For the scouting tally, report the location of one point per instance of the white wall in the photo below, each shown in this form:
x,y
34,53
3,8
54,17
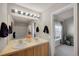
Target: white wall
x,y
3,13
20,29
69,26
3,18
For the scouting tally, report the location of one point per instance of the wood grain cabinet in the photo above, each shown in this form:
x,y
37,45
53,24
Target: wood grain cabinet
x,y
44,50
25,52
39,50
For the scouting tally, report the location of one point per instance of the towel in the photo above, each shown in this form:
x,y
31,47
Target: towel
x,y
46,30
37,29
3,30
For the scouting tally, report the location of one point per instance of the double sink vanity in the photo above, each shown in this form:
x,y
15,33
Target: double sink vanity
x,y
22,47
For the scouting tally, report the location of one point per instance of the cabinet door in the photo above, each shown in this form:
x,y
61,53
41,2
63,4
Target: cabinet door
x,y
29,52
44,49
37,51
41,50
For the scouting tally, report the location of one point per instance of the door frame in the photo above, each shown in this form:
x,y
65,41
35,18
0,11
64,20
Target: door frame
x,y
74,6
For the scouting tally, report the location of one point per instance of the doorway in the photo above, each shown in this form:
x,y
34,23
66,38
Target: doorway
x,y
63,31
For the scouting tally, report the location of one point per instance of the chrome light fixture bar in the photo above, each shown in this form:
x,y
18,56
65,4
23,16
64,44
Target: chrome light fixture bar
x,y
25,13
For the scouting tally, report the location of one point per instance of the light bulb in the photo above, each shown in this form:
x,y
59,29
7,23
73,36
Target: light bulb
x,y
35,15
31,15
16,10
24,13
27,13
21,12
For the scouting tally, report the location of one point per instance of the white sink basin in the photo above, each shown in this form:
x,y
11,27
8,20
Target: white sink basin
x,y
20,46
24,43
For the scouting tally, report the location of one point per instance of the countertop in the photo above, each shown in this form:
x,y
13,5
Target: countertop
x,y
19,44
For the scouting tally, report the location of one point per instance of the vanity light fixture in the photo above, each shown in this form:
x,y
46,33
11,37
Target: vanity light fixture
x,y
21,12
34,15
31,15
26,13
14,10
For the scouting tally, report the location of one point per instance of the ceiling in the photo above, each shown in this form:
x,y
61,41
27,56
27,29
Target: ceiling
x,y
36,6
40,7
65,15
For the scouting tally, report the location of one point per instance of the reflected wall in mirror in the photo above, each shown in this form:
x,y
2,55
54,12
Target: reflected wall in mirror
x,y
21,28
23,21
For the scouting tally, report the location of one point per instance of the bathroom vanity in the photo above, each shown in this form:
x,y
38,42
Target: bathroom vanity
x,y
18,25
21,47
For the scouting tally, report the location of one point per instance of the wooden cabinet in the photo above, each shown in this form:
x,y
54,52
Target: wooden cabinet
x,y
44,50
39,50
25,52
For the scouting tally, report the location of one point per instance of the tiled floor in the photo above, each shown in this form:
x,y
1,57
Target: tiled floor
x,y
64,50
